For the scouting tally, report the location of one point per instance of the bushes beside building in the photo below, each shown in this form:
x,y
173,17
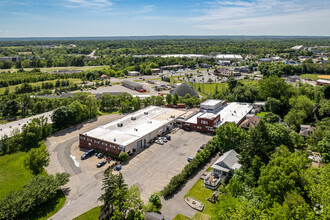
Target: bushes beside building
x,y
201,158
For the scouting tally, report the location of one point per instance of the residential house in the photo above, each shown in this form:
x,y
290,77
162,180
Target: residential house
x,y
227,163
250,122
306,130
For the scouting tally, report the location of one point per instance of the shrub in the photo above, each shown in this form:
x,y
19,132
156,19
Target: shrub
x,y
123,156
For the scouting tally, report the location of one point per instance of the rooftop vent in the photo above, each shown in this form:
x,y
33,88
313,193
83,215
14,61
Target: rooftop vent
x,y
114,139
145,113
133,118
120,124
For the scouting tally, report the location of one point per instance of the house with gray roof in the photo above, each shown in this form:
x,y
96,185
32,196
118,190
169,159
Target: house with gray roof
x,y
227,163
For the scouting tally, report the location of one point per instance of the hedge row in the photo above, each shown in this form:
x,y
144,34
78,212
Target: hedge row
x,y
201,158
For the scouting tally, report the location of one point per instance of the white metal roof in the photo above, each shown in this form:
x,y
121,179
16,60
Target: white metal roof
x,y
132,130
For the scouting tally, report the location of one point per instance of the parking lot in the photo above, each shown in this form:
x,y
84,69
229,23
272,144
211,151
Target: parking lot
x,y
153,168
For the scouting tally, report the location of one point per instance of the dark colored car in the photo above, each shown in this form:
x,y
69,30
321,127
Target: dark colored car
x,y
168,137
202,147
100,156
199,150
87,154
102,163
190,159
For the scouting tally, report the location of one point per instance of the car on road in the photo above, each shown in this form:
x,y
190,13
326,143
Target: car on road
x,y
100,156
102,163
190,159
87,154
159,142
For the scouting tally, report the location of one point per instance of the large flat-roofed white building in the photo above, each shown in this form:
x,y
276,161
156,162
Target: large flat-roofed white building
x,y
229,57
131,132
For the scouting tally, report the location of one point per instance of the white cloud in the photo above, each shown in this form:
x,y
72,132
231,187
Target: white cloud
x,y
265,17
89,3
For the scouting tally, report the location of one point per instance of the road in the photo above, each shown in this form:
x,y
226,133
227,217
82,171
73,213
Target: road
x,y
6,129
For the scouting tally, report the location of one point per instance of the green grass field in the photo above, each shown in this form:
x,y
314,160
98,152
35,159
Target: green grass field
x,y
13,174
200,192
310,76
92,214
208,88
12,88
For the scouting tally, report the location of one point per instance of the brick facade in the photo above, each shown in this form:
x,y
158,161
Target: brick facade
x,y
86,143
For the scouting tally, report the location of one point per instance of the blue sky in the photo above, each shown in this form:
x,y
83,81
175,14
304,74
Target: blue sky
x,y
75,18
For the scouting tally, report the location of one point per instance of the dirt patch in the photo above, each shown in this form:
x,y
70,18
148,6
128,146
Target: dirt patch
x,y
324,76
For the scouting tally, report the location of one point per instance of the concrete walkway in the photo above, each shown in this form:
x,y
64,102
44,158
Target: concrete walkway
x,y
176,204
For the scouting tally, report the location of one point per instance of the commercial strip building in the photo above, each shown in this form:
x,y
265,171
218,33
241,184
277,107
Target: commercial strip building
x,y
214,113
132,132
132,85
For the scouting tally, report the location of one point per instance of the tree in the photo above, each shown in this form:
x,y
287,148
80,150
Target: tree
x,y
169,98
230,137
62,117
324,146
119,202
155,200
36,160
232,83
270,117
11,108
123,156
282,174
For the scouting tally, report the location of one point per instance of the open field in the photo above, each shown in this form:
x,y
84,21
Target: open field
x,y
13,174
50,69
12,88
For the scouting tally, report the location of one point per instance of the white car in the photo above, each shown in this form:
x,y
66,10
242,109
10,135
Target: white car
x,y
159,142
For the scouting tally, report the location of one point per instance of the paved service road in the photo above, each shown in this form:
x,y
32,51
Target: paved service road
x,y
151,169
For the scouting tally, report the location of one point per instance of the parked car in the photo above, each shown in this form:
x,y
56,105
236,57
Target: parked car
x,y
118,167
168,137
100,156
164,139
202,147
159,142
199,150
102,163
109,159
190,159
87,154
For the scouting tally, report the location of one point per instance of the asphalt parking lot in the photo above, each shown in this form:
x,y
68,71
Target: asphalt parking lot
x,y
153,168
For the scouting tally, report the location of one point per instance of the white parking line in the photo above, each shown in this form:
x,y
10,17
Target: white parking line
x,y
74,160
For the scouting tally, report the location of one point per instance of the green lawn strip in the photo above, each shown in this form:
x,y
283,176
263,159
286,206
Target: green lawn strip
x,y
200,216
49,208
181,217
201,193
310,76
92,214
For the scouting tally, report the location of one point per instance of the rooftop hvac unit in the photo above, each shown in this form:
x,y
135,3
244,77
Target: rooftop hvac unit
x,y
145,113
120,124
133,118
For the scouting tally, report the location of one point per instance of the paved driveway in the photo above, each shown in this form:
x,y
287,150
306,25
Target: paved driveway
x,y
151,169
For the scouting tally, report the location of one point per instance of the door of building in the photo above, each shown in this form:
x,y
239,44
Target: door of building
x,y
139,144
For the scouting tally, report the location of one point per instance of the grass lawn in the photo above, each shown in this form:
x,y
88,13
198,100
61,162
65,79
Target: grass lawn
x,y
208,88
12,88
13,174
92,214
181,217
311,76
200,192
